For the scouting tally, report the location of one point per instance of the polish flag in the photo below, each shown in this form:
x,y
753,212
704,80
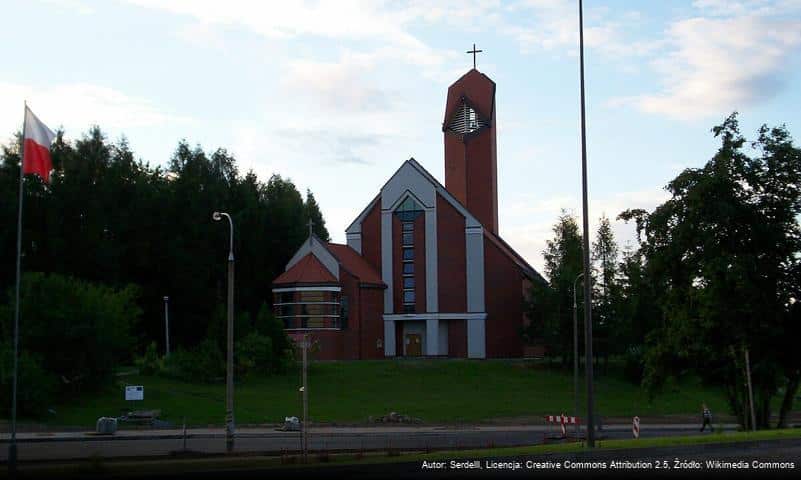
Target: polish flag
x,y
37,140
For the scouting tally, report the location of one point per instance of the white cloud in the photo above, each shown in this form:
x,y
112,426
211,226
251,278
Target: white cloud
x,y
552,25
732,57
347,19
77,106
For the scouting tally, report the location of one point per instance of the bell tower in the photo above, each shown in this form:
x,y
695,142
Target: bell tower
x,y
470,146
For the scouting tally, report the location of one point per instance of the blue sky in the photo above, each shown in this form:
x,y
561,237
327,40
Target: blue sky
x,y
335,95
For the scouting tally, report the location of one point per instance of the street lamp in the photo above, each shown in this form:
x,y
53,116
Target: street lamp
x,y
575,353
167,325
229,376
586,221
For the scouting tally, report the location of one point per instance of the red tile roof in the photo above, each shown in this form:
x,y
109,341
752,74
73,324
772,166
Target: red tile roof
x,y
355,263
307,270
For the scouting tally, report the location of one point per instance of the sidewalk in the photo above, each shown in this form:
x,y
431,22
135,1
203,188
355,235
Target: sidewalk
x,y
266,431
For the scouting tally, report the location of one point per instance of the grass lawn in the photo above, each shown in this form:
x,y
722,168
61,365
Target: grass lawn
x,y
437,391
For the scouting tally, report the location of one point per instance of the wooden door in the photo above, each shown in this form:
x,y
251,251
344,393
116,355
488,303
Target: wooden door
x,y
414,345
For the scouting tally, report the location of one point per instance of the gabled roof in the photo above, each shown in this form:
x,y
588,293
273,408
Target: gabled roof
x,y
308,270
525,268
354,263
507,249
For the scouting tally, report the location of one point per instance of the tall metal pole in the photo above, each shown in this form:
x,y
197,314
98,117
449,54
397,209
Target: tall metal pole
x,y
750,391
12,447
305,399
229,376
585,214
575,354
167,325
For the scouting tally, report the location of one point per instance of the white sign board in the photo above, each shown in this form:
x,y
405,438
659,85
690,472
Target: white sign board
x,y
134,392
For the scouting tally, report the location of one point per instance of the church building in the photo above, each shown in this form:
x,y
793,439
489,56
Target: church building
x,y
424,271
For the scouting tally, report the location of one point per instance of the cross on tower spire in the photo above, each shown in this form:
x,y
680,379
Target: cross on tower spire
x,y
310,225
474,52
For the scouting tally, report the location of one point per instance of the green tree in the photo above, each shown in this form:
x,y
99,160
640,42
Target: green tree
x,y
314,214
79,330
563,263
723,256
606,296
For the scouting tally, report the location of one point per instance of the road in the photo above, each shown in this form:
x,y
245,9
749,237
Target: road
x,y
33,447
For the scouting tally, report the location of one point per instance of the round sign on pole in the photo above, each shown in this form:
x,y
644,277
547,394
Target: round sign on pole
x,y
635,427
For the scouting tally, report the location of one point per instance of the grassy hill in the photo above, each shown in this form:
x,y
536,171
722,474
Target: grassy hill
x,y
437,391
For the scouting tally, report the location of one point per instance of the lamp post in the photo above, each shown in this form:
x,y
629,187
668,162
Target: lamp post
x,y
167,325
229,375
586,219
575,353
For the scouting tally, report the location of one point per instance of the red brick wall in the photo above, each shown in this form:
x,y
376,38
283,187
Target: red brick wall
x,y
482,197
455,168
504,303
372,307
329,344
451,258
457,338
350,335
371,237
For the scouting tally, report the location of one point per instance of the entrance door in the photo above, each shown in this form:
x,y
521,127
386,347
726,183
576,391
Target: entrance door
x,y
414,345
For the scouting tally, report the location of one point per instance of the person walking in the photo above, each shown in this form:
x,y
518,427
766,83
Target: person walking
x,y
707,417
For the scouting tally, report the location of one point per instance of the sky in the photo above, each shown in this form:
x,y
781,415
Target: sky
x,y
335,95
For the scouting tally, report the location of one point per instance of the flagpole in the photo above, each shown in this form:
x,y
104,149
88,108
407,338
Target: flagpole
x,y
12,447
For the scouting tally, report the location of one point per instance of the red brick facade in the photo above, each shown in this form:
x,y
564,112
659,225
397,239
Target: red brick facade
x,y
469,285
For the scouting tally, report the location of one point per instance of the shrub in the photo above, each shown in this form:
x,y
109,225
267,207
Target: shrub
x,y
254,354
204,363
634,364
80,331
150,363
35,386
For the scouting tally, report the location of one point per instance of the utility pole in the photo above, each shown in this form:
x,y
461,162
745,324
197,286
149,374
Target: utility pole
x,y
229,376
167,325
750,391
305,390
575,354
586,239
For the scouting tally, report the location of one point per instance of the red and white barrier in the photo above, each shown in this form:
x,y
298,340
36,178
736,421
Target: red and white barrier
x,y
562,420
635,427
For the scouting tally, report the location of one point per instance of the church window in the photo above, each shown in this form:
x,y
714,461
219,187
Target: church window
x,y
408,268
408,296
408,282
408,227
408,238
311,309
408,253
408,211
465,120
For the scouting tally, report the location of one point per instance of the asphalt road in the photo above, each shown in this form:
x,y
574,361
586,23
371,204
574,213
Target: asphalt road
x,y
34,449
760,459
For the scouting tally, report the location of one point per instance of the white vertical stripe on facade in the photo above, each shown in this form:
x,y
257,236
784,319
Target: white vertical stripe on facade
x,y
386,259
432,337
432,288
474,247
389,338
476,339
